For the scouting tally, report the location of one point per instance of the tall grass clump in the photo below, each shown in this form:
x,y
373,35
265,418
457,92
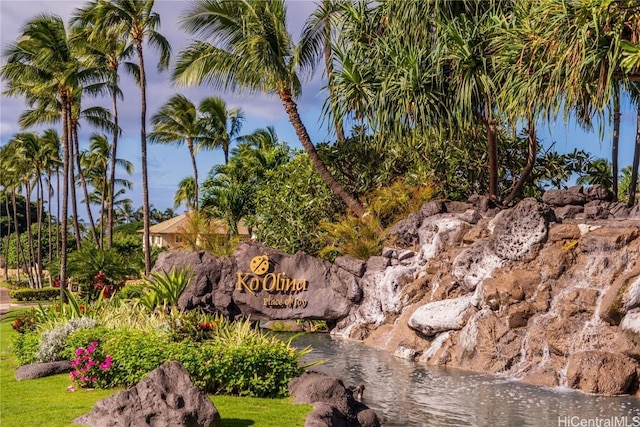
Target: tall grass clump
x,y
363,237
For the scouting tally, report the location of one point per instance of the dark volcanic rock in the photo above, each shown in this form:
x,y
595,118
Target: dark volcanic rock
x,y
39,370
333,403
165,397
268,284
204,290
571,196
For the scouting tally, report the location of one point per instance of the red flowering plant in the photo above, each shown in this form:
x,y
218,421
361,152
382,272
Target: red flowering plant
x,y
25,323
91,369
99,272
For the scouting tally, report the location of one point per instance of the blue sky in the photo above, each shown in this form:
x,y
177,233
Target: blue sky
x,y
169,165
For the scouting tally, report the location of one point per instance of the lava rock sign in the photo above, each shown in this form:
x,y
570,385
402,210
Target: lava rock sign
x,y
272,285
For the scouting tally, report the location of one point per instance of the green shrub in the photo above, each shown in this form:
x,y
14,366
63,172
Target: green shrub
x,y
28,294
133,353
239,360
259,370
130,292
25,346
100,271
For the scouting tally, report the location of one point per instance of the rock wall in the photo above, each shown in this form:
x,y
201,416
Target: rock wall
x,y
550,301
548,293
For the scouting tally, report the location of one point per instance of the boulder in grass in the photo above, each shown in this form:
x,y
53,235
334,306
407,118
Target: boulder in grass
x,y
164,398
39,370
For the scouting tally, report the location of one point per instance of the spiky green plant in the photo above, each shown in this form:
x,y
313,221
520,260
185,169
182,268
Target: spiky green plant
x,y
165,287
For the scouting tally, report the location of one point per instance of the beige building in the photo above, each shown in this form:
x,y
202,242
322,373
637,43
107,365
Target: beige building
x,y
172,233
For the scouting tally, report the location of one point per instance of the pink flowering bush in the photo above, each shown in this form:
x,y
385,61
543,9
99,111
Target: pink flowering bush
x,y
91,370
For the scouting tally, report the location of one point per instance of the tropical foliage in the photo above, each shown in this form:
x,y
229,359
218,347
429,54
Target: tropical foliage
x,y
443,93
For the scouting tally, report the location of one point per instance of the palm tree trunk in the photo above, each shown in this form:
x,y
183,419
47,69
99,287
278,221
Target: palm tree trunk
x,y
58,236
103,202
195,174
83,183
6,246
292,111
72,179
30,249
616,139
636,161
143,151
17,230
492,149
49,188
65,198
112,174
532,145
40,197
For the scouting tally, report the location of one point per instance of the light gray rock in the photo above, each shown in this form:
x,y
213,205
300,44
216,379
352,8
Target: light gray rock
x,y
442,316
475,264
519,232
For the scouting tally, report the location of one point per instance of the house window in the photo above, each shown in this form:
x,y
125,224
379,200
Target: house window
x,y
178,239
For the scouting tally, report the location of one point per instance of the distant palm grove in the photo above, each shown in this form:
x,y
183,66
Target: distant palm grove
x,y
422,99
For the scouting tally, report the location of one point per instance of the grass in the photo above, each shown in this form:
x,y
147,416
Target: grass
x,y
46,401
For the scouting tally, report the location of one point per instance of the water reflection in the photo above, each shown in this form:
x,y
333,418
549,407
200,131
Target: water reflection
x,y
406,394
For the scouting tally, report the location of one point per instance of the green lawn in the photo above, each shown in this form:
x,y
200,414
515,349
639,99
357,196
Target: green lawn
x,y
46,401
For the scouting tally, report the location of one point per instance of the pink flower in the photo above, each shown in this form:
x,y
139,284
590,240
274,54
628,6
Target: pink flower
x,y
79,351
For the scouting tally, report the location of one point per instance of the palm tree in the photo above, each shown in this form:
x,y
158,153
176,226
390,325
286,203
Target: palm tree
x,y
177,122
110,50
43,61
186,193
254,51
318,32
137,20
222,124
96,163
50,146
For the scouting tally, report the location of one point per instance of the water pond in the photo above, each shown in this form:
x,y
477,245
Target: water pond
x,y
407,394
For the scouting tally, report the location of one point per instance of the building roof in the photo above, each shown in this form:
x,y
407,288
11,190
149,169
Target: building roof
x,y
171,226
178,224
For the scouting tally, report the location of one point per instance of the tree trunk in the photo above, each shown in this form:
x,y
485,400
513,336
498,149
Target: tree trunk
x,y
65,199
143,151
636,161
30,249
492,149
83,183
292,111
39,197
17,229
112,175
49,188
616,139
72,178
532,145
195,173
6,246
